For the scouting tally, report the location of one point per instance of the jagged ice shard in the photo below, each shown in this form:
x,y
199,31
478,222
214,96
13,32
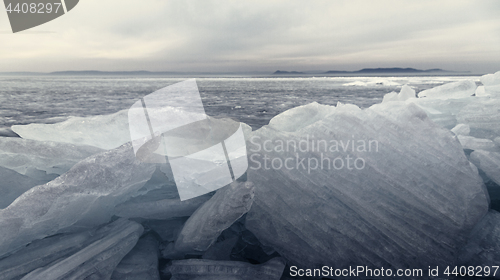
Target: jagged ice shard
x,y
105,131
97,260
23,155
83,197
45,252
388,188
219,213
451,90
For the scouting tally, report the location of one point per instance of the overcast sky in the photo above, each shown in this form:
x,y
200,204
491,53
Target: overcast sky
x,y
216,36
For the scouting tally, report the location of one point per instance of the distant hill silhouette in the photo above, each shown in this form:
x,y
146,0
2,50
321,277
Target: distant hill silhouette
x,y
364,71
279,72
388,70
98,73
371,71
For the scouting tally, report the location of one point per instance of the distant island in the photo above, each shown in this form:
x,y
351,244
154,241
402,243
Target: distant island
x,y
91,73
363,72
279,72
394,70
114,73
389,70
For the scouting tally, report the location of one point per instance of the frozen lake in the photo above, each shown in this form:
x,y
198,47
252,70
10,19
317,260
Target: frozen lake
x,y
50,99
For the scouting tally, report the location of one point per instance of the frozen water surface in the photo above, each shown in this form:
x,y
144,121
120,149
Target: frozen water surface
x,y
254,101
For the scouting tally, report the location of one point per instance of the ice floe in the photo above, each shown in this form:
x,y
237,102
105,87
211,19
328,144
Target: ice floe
x,y
105,132
451,90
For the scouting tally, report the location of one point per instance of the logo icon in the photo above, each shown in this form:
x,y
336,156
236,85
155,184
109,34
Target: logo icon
x,y
170,125
26,14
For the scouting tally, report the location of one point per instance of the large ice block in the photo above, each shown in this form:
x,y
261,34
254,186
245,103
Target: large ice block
x,y
105,131
406,93
453,104
391,96
461,129
473,143
83,197
382,187
488,162
52,157
196,269
41,253
162,209
95,261
482,114
451,90
141,263
491,79
219,213
298,117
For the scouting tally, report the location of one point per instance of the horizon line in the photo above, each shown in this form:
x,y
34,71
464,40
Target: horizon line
x,y
364,71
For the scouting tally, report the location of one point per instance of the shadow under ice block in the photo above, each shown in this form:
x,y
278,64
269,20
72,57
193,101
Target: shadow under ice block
x,y
204,153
